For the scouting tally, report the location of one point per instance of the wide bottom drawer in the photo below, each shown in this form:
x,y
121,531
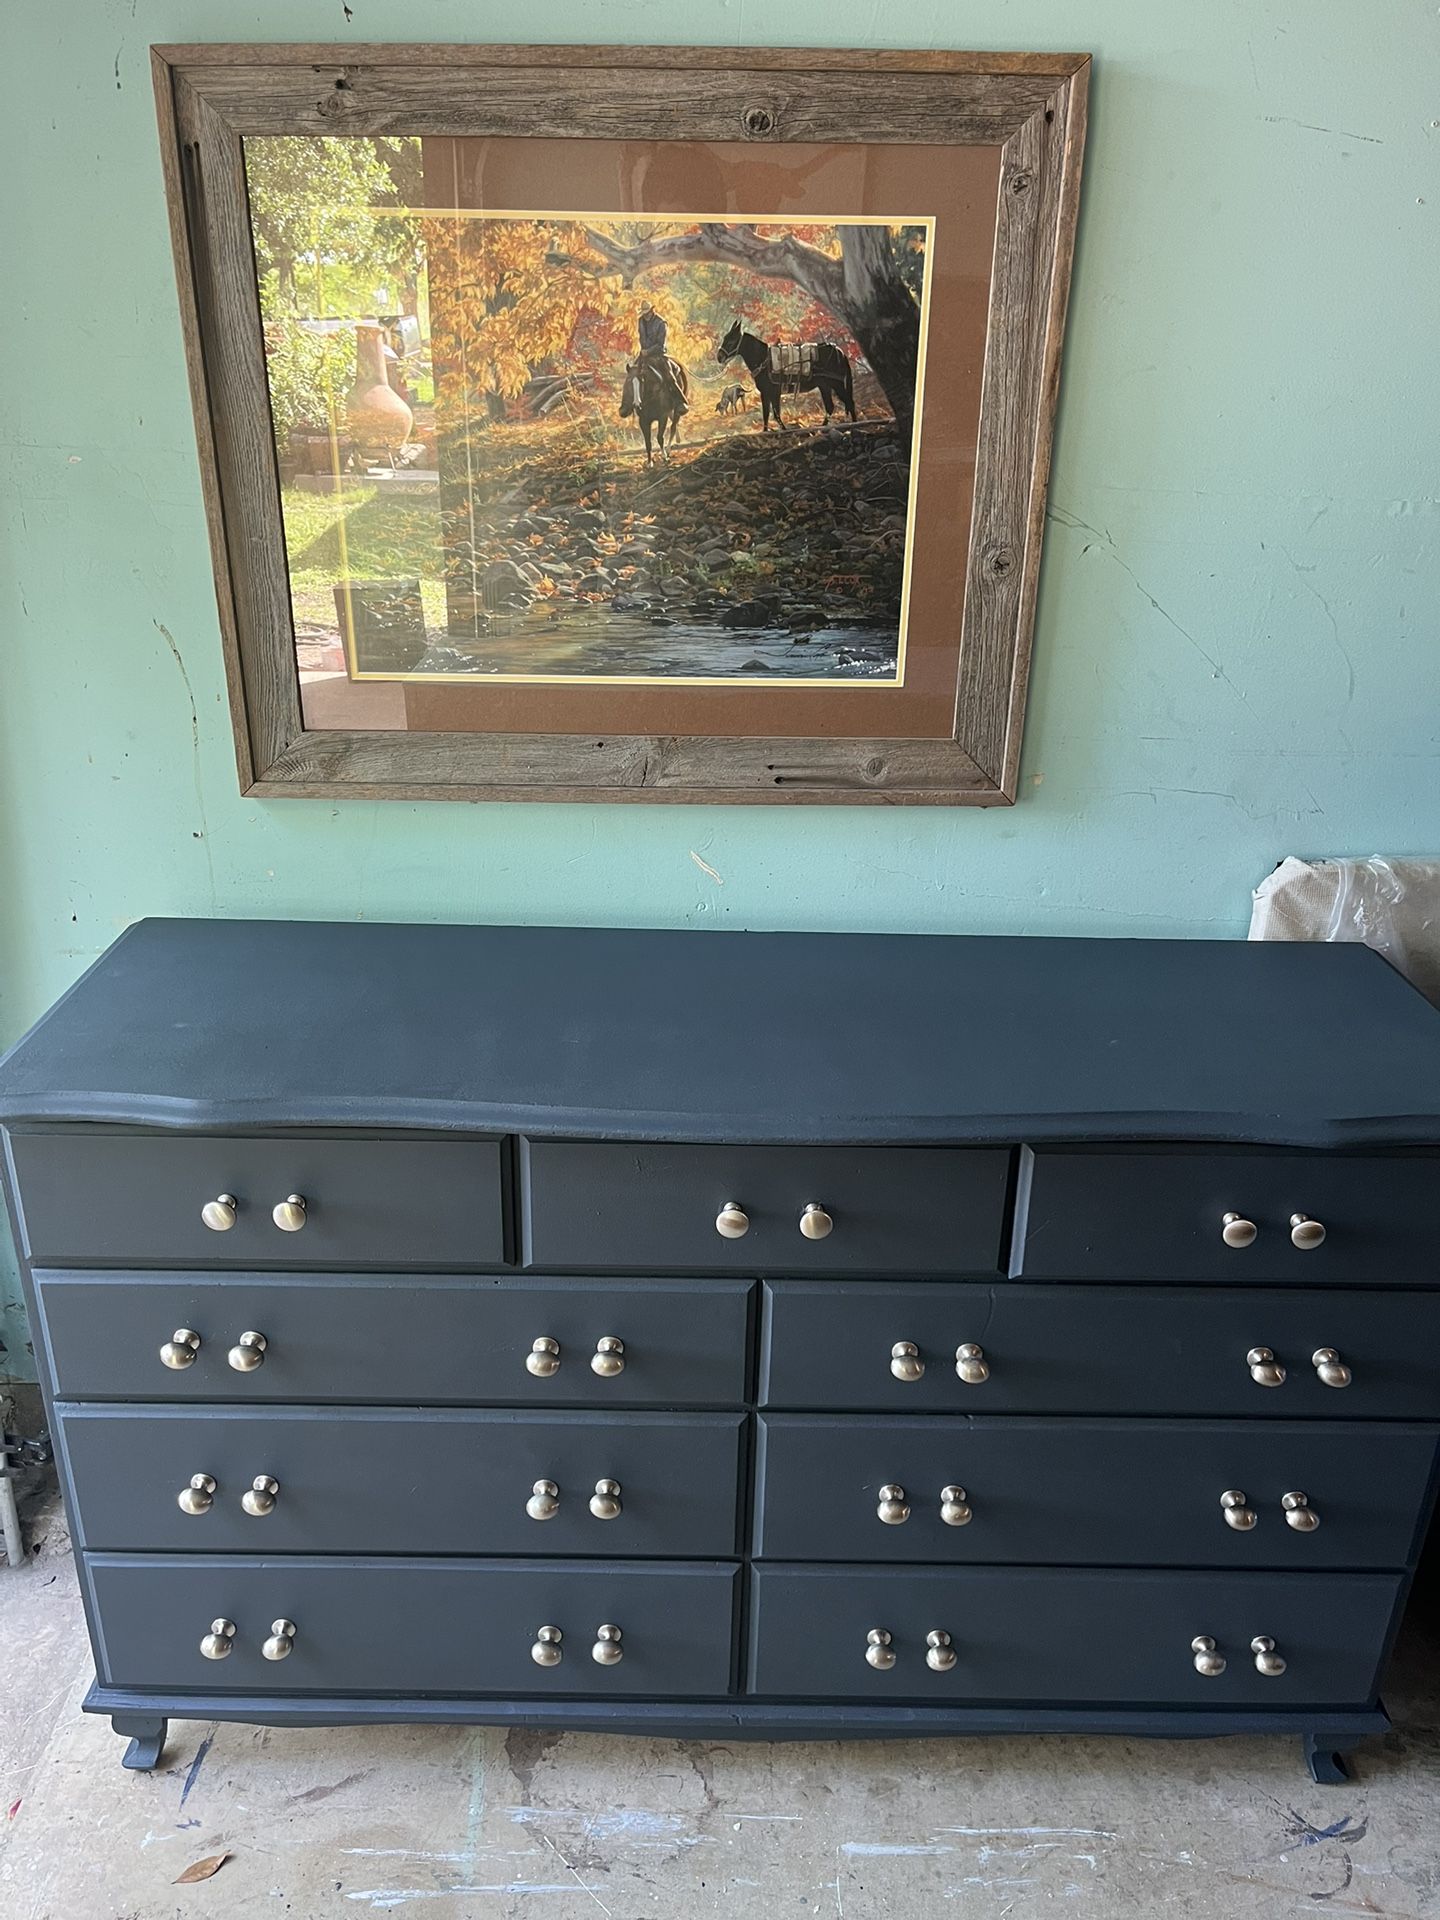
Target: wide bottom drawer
x,y
1060,1636
412,1626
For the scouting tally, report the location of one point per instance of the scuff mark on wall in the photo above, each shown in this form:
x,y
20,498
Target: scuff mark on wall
x,y
204,833
1339,133
1074,522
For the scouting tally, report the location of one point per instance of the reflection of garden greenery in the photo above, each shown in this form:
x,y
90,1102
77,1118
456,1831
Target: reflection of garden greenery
x,y
313,200
326,245
308,374
388,536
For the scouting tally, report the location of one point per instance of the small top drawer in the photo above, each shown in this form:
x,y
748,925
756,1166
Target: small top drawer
x,y
98,1199
1238,1216
764,1209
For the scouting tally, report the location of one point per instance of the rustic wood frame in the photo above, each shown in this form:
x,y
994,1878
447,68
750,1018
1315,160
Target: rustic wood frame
x,y
1031,105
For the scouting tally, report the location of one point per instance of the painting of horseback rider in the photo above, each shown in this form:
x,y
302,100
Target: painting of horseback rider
x,y
653,330
657,388
594,492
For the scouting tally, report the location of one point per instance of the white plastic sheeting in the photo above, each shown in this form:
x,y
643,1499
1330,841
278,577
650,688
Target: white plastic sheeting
x,y
1391,905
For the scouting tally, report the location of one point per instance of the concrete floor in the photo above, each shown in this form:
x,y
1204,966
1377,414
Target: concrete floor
x,y
439,1824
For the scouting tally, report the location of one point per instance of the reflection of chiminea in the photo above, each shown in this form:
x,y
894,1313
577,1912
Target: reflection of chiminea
x,y
379,421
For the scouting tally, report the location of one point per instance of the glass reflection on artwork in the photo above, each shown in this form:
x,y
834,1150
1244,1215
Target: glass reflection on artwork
x,y
550,447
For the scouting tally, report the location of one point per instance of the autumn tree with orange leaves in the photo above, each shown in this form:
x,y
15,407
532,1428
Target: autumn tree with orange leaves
x,y
513,298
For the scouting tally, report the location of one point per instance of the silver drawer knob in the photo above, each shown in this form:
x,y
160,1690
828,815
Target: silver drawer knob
x,y
905,1361
1331,1368
939,1654
1267,1660
544,1501
546,1650
180,1349
1208,1658
608,1358
1299,1513
248,1353
1265,1369
1237,1231
1237,1514
955,1509
281,1643
605,1501
815,1222
1305,1233
732,1222
260,1496
971,1364
289,1216
893,1509
199,1496
543,1359
878,1651
219,1213
219,1642
607,1651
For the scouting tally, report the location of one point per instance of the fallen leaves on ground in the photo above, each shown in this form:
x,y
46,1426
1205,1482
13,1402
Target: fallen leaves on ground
x,y
205,1869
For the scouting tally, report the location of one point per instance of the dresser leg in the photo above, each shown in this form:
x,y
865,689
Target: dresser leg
x,y
147,1739
1327,1767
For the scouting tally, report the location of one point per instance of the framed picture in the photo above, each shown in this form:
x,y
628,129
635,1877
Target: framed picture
x,y
624,424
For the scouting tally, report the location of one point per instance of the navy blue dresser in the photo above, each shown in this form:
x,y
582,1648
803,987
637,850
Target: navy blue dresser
x,y
721,1334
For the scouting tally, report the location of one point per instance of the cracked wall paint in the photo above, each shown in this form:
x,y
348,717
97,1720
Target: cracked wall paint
x,y
1235,655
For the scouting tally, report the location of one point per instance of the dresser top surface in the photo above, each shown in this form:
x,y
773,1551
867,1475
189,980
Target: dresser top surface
x,y
765,1037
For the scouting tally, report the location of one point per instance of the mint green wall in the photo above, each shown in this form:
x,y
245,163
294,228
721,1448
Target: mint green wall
x,y
1236,653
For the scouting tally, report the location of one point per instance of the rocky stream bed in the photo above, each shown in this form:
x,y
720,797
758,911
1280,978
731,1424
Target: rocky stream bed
x,y
754,553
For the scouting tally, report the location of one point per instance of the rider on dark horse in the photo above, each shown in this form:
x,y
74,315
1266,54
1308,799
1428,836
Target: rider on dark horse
x,y
653,354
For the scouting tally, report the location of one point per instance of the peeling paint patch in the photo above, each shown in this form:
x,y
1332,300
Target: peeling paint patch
x,y
882,1849
386,1899
626,1823
403,1853
1034,1833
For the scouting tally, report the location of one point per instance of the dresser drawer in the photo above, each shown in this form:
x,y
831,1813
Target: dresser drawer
x,y
1122,1493
1090,1349
1051,1636
404,1481
640,1208
136,1199
413,1626
1149,1214
367,1337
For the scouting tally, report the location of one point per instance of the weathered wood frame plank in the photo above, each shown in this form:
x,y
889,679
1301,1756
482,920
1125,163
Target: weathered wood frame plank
x,y
1030,105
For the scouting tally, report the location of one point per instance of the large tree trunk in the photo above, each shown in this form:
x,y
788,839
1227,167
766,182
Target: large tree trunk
x,y
880,311
863,288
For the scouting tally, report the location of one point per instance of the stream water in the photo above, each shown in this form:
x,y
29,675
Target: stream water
x,y
603,642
